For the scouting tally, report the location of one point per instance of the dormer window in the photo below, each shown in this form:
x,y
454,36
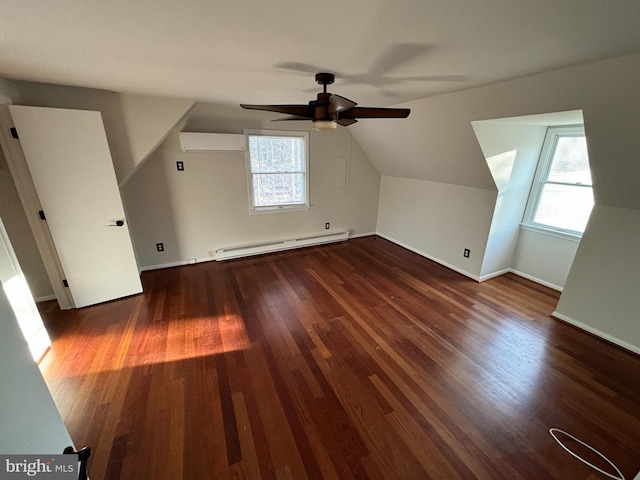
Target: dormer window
x,y
561,195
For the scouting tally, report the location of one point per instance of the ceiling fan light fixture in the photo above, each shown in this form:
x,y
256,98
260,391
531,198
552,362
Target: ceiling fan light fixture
x,y
324,125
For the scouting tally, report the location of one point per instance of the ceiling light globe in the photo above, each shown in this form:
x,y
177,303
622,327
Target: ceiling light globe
x,y
324,125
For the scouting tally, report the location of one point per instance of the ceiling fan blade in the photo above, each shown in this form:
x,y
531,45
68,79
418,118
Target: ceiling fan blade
x,y
396,55
301,110
286,119
298,67
436,78
374,112
339,104
345,122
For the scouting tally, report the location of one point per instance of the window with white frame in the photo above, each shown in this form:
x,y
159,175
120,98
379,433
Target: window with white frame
x,y
561,195
277,169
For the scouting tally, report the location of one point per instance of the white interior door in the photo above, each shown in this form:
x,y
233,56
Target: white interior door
x,y
70,163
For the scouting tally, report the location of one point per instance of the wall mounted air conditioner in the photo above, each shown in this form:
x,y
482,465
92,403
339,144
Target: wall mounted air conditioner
x,y
211,142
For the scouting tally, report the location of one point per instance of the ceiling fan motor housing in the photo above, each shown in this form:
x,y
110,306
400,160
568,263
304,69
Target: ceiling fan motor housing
x,y
321,107
325,79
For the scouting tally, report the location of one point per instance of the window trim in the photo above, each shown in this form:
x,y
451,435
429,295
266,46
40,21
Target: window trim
x,y
540,179
259,210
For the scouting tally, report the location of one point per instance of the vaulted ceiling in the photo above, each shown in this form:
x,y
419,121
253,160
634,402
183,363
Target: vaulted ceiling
x,y
383,52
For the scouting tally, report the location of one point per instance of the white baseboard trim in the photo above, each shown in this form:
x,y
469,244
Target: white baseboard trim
x,y
45,298
172,264
360,235
537,280
437,260
467,274
598,333
489,276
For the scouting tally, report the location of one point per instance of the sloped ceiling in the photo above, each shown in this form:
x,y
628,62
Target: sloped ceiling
x,y
235,51
254,51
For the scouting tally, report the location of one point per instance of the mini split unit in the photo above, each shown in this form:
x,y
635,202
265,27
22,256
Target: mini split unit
x,y
212,142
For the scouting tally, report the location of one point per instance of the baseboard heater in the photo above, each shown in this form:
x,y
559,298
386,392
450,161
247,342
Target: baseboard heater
x,y
227,253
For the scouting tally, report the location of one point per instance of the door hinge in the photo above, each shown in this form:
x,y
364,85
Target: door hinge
x,y
14,132
41,215
65,283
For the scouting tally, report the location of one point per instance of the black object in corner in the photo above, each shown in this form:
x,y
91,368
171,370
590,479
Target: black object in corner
x,y
83,456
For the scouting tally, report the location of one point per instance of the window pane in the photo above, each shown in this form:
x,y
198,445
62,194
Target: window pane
x,y
564,206
278,189
570,162
276,154
277,164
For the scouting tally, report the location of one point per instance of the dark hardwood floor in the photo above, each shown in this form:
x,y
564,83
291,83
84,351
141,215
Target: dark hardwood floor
x,y
348,361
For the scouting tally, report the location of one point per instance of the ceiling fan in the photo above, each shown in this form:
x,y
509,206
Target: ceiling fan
x,y
330,110
381,74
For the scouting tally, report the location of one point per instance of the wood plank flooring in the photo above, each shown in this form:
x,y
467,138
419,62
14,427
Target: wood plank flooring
x,y
357,360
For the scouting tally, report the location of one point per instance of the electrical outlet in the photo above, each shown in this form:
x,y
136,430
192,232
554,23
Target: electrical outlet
x,y
180,166
160,247
327,225
467,253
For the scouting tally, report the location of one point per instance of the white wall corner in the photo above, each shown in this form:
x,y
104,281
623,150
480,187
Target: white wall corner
x,y
489,276
430,257
601,291
553,286
148,121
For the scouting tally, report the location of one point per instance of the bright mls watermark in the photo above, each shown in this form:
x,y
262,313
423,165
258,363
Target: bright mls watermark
x,y
50,467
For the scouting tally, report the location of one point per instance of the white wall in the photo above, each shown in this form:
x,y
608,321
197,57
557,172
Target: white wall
x,y
544,258
512,148
9,92
135,124
511,152
437,220
148,121
205,207
29,418
602,293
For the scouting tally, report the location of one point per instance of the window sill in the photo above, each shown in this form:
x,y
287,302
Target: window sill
x,y
280,209
572,237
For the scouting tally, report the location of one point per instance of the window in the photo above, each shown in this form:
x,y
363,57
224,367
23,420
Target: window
x,y
561,196
277,169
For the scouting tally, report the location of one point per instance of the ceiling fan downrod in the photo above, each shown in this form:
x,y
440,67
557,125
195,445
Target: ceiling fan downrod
x,y
325,79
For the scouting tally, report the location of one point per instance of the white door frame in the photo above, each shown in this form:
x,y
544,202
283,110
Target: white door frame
x,y
19,295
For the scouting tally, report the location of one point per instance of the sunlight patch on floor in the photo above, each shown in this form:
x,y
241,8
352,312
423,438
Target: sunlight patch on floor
x,y
159,342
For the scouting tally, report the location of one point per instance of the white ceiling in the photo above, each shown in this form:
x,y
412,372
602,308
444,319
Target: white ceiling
x,y
232,51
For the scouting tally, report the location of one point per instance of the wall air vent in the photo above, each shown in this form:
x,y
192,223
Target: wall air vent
x,y
192,142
